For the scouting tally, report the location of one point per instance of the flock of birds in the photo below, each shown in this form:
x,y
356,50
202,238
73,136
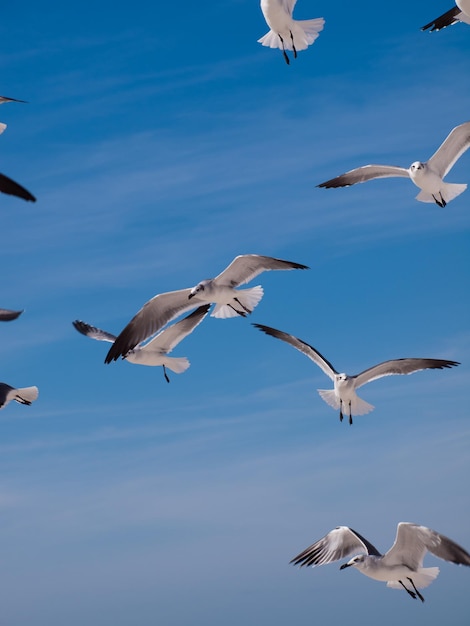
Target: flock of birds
x,y
148,338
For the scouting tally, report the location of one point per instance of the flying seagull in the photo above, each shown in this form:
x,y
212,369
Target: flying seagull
x,y
287,33
400,567
4,99
8,186
156,351
6,315
24,395
343,396
220,290
459,13
428,176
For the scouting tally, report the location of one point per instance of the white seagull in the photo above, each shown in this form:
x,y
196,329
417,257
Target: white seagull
x,y
459,13
24,395
400,567
343,396
220,290
287,33
428,176
4,99
6,315
156,351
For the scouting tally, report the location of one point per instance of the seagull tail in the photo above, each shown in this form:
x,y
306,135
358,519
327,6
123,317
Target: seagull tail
x,y
448,191
358,405
26,395
330,397
2,127
422,578
247,300
177,364
304,33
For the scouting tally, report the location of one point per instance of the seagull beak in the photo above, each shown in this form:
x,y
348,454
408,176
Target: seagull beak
x,y
345,565
191,295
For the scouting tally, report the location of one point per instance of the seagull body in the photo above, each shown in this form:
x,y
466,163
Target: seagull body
x,y
24,395
459,13
428,176
343,396
287,33
156,351
400,567
221,290
6,315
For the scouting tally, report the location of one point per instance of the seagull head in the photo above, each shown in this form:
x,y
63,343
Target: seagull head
x,y
356,561
197,289
416,166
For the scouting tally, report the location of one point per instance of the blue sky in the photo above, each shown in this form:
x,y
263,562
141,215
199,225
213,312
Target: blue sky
x,y
162,141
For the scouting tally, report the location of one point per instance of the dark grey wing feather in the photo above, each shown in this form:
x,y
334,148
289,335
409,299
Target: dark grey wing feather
x,y
363,174
155,313
308,350
4,390
401,366
447,19
6,315
4,99
8,186
93,332
245,267
337,544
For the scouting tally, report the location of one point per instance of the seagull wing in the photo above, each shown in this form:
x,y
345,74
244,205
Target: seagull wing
x,y
413,541
155,313
93,332
4,99
337,544
400,366
6,315
447,19
365,173
245,267
5,390
8,186
456,143
312,354
171,336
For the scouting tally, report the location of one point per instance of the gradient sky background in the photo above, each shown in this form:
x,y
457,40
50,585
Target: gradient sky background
x,y
161,141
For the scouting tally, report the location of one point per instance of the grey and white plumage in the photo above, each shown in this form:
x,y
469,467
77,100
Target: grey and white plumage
x,y
156,351
459,13
428,175
287,33
221,291
23,395
400,567
343,396
7,315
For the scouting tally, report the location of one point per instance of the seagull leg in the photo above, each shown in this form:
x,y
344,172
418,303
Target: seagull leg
x,y
293,44
340,410
242,305
350,416
441,202
284,50
412,593
242,313
414,587
165,374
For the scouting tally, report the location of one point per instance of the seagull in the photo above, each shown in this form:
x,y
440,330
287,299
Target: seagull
x,y
6,315
4,99
459,13
428,176
155,351
24,395
220,290
287,33
343,396
10,187
400,567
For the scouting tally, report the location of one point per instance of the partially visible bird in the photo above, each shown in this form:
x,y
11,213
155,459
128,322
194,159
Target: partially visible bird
x,y
428,175
400,567
4,99
10,187
221,290
24,395
287,33
343,396
156,351
6,315
459,13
